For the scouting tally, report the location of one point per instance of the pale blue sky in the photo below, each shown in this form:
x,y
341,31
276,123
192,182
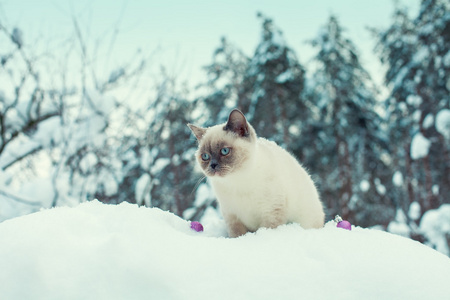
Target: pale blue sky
x,y
187,32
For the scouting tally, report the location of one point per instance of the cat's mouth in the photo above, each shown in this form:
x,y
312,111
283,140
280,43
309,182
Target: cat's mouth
x,y
216,169
217,172
214,172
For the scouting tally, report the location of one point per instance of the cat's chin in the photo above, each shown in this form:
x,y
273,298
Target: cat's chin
x,y
216,174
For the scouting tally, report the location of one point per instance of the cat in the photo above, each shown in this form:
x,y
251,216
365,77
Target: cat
x,y
257,183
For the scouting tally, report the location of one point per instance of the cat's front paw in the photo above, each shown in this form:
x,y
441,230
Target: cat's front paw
x,y
235,226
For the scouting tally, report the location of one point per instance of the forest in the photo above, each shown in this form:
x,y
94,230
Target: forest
x,y
69,135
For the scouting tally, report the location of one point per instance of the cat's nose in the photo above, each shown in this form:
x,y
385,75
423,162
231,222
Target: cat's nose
x,y
213,165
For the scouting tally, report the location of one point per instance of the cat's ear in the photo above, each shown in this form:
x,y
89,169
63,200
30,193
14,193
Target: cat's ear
x,y
199,132
237,123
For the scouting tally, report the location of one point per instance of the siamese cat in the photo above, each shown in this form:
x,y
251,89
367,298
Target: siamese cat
x,y
257,183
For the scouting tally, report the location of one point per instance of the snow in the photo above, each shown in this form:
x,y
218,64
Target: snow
x,y
98,251
101,103
116,74
364,186
381,189
159,165
421,55
435,189
88,162
108,182
416,116
414,100
443,122
203,195
142,190
285,77
399,226
400,76
397,179
414,211
435,224
400,229
87,131
49,132
428,121
419,146
446,60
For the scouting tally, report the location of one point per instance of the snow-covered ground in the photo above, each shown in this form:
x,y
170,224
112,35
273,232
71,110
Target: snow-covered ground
x,y
98,251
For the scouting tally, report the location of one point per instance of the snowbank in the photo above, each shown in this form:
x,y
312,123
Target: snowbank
x,y
97,251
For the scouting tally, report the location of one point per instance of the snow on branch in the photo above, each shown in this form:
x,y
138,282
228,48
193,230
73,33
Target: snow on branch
x,y
19,199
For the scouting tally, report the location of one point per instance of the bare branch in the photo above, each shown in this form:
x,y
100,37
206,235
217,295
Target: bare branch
x,y
22,53
28,126
22,156
20,199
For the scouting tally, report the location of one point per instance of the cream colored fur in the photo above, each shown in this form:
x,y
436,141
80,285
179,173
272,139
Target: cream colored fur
x,y
267,189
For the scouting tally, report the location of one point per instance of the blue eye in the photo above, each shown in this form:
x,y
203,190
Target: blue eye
x,y
225,151
205,156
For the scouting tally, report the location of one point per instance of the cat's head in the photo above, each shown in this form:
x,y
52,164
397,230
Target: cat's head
x,y
226,148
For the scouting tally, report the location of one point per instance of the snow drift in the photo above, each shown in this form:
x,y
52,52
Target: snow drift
x,y
98,251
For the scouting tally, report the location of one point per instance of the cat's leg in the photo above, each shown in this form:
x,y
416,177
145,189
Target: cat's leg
x,y
274,216
235,226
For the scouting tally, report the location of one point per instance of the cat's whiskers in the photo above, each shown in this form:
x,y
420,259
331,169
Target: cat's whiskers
x,y
226,170
197,184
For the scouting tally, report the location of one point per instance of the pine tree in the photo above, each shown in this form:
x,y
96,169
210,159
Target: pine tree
x,y
224,87
417,55
172,163
431,71
350,141
397,45
273,83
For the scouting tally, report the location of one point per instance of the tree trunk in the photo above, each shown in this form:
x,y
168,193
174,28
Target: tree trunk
x,y
409,174
346,188
429,201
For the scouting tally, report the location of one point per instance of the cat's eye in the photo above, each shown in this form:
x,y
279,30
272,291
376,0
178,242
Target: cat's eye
x,y
205,156
225,151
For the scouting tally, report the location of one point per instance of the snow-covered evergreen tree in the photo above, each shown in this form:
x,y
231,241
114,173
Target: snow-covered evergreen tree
x,y
417,54
273,83
397,45
224,89
349,140
171,171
